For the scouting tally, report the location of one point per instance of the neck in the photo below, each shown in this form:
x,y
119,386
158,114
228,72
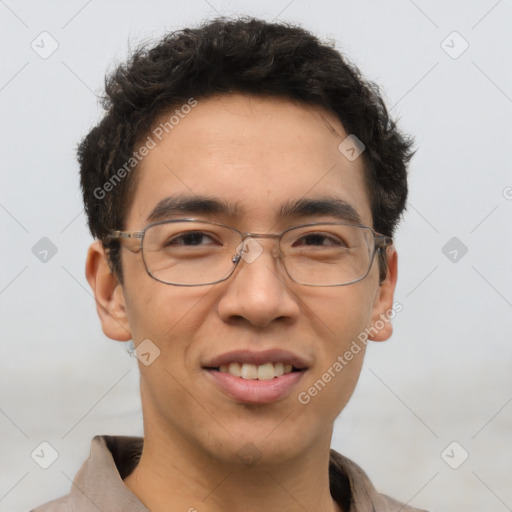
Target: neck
x,y
173,477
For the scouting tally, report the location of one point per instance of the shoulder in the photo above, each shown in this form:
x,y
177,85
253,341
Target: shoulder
x,y
62,504
364,496
98,485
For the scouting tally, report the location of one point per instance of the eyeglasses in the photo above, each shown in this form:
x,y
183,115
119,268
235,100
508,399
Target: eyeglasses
x,y
191,252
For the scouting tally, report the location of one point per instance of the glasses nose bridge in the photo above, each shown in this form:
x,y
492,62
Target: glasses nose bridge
x,y
261,235
275,251
274,236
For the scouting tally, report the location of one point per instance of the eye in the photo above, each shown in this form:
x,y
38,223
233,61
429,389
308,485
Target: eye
x,y
320,239
191,238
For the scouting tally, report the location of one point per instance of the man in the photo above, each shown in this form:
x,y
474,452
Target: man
x,y
243,187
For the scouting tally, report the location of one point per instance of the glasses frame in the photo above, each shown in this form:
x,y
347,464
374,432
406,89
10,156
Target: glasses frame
x,y
380,242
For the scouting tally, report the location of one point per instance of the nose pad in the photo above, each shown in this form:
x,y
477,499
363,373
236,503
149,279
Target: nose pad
x,y
277,253
250,250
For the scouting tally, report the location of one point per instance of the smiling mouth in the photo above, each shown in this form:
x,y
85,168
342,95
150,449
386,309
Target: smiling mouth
x,y
248,371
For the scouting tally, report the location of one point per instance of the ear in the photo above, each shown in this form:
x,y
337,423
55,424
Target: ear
x,y
383,310
108,293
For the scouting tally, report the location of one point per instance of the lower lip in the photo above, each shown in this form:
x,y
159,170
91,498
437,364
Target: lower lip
x,y
254,391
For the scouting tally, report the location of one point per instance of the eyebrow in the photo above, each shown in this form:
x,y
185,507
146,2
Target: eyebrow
x,y
325,206
203,205
174,205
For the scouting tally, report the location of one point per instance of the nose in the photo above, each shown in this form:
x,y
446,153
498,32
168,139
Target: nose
x,y
259,292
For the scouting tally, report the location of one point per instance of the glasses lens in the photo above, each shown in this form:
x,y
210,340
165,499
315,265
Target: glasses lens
x,y
327,254
189,252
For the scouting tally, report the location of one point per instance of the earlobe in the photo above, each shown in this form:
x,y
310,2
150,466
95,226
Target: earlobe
x,y
108,293
383,306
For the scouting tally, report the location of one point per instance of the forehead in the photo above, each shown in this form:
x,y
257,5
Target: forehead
x,y
256,155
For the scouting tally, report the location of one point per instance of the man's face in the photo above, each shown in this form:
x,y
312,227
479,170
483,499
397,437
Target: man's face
x,y
256,155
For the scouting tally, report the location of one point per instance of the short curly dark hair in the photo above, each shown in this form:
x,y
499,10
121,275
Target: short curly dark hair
x,y
244,55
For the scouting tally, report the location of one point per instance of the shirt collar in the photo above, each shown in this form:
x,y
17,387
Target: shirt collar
x,y
99,486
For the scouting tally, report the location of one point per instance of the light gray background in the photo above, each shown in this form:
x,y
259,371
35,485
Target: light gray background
x,y
446,374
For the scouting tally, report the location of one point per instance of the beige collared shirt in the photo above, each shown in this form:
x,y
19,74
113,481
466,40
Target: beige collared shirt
x,y
98,486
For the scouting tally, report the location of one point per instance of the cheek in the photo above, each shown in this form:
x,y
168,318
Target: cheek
x,y
340,313
163,317
170,317
330,386
340,316
155,309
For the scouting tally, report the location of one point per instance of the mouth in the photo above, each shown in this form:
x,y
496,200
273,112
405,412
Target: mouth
x,y
256,377
248,371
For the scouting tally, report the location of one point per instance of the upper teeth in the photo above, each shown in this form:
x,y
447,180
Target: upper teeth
x,y
265,371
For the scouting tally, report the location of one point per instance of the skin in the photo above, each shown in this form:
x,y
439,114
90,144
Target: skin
x,y
256,153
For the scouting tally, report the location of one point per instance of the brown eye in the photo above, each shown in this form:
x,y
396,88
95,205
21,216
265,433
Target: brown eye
x,y
192,238
320,240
